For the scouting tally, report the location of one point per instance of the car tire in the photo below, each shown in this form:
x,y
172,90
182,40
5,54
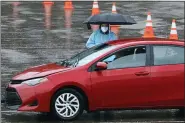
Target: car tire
x,y
67,104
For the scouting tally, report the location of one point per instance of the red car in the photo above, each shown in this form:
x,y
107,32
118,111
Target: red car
x,y
122,74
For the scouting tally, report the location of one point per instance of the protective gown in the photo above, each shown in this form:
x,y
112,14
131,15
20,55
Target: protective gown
x,y
98,38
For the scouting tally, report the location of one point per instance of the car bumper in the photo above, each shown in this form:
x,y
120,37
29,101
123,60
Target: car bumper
x,y
29,98
13,100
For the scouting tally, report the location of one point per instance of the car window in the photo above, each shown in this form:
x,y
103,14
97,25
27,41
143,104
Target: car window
x,y
84,54
168,55
130,57
94,55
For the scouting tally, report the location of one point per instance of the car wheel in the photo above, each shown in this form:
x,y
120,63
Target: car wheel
x,y
67,104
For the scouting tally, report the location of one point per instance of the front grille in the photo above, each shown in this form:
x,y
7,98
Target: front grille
x,y
12,97
16,81
11,89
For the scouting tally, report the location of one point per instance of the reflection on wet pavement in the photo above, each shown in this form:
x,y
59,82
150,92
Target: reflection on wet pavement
x,y
100,116
34,33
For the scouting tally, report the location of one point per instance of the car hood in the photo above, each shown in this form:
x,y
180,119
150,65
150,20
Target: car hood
x,y
40,71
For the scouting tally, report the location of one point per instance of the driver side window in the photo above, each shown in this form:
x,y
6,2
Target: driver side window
x,y
130,57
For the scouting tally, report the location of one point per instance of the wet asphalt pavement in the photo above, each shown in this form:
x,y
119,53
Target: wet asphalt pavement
x,y
31,35
104,117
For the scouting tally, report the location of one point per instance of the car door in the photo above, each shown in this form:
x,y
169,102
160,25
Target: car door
x,y
125,82
167,76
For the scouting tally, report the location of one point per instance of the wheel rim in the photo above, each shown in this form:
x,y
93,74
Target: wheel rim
x,y
67,105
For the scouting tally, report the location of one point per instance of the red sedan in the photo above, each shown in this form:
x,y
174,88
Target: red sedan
x,y
123,74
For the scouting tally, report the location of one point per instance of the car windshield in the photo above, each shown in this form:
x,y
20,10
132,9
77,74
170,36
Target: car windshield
x,y
86,56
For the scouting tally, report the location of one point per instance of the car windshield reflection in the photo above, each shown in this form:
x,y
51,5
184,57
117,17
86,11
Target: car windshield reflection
x,y
86,56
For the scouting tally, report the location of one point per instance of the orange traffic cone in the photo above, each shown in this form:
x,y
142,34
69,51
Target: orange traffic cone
x,y
114,8
114,28
68,4
149,33
95,8
173,32
47,8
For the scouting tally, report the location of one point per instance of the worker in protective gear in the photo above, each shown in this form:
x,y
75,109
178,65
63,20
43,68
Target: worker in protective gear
x,y
102,35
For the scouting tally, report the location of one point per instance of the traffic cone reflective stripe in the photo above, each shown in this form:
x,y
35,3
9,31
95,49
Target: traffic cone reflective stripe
x,y
149,24
95,8
149,18
148,32
173,32
68,4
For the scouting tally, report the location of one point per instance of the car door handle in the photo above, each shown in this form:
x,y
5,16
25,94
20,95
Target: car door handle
x,y
143,73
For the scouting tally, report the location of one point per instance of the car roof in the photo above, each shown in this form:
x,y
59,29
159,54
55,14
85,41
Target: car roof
x,y
133,41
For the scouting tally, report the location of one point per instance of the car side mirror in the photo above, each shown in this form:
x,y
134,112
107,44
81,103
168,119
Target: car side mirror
x,y
101,66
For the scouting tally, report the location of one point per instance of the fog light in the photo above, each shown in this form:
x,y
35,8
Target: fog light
x,y
34,103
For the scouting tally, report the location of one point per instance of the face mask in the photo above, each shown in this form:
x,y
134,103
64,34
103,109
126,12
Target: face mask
x,y
104,29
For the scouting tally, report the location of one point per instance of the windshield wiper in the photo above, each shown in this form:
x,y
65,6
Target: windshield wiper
x,y
63,63
66,62
76,62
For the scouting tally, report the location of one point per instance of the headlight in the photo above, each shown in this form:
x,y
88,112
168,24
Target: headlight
x,y
33,82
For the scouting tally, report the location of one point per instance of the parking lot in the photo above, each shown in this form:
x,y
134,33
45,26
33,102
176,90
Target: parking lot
x,y
30,35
